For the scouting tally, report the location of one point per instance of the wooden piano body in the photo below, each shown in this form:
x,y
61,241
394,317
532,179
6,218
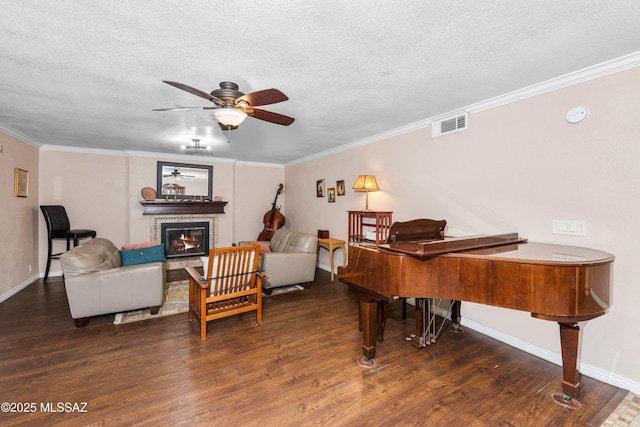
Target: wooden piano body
x,y
564,284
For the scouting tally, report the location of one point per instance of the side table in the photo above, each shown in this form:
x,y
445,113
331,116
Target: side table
x,y
331,244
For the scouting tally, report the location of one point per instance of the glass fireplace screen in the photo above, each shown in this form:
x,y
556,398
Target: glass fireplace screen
x,y
185,239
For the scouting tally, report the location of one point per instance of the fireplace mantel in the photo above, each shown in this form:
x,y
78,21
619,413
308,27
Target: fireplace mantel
x,y
164,207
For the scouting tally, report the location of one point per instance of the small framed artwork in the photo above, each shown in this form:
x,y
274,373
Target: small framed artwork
x,y
331,193
320,188
21,183
340,187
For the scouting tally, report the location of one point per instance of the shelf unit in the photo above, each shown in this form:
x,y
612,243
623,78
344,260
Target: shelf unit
x,y
362,223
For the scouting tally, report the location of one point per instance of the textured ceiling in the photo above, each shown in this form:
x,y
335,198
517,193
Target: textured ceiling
x,y
88,73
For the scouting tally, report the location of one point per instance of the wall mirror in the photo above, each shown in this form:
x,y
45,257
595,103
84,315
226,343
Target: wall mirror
x,y
184,181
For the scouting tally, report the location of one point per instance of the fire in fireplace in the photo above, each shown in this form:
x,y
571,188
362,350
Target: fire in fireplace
x,y
183,239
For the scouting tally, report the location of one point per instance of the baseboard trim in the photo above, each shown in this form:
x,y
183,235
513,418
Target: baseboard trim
x,y
18,288
324,267
586,369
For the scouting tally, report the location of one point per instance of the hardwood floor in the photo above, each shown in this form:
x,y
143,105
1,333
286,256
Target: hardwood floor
x,y
297,368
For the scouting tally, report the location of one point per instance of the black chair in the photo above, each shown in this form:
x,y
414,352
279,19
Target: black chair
x,y
58,227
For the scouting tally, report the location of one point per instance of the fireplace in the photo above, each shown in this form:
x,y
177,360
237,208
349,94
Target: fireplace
x,y
185,239
156,232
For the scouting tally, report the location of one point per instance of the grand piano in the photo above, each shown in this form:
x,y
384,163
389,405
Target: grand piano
x,y
564,284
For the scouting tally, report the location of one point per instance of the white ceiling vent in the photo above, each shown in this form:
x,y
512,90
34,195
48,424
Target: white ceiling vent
x,y
451,124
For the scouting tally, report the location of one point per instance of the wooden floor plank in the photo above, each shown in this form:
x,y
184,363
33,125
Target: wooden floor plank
x,y
297,368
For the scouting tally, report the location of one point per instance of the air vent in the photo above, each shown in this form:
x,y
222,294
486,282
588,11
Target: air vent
x,y
451,124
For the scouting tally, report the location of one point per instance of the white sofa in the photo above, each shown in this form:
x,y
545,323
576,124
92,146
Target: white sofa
x,y
97,284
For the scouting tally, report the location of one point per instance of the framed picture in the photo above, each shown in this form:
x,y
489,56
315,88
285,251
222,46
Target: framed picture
x,y
340,187
331,193
21,183
320,188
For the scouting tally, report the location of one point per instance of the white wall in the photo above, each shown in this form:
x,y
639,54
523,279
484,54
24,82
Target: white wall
x,y
516,168
101,191
93,188
143,171
255,189
18,217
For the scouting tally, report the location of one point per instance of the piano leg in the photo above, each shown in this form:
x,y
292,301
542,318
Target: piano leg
x,y
570,343
420,317
455,317
382,307
422,337
370,328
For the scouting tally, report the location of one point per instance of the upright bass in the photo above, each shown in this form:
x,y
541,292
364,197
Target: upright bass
x,y
272,220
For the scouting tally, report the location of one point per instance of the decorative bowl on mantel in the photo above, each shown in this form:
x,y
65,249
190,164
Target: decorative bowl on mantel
x,y
149,193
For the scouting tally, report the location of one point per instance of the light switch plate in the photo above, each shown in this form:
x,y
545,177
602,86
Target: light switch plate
x,y
569,227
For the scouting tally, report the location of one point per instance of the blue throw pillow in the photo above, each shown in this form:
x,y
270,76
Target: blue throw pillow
x,y
143,255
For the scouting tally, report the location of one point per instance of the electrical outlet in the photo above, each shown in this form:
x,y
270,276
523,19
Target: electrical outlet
x,y
570,228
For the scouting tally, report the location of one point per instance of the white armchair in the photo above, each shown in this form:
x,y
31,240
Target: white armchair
x,y
291,259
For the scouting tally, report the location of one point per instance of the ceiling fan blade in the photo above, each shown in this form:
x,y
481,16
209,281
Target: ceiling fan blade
x,y
184,108
270,116
262,97
196,92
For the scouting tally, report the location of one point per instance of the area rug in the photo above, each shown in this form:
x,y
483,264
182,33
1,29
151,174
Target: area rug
x,y
176,300
284,290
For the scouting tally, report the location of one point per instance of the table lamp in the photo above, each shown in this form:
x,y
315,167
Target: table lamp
x,y
366,183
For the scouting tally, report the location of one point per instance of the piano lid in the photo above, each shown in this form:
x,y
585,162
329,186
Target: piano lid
x,y
451,244
503,247
543,253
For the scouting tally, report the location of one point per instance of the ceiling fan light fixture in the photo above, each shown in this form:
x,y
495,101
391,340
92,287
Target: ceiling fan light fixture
x,y
229,116
196,148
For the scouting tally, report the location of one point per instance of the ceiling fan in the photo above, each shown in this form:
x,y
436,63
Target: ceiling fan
x,y
231,106
176,174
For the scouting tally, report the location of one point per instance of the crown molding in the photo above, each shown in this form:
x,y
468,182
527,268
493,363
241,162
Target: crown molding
x,y
590,73
206,159
84,150
19,136
258,164
186,157
168,156
365,141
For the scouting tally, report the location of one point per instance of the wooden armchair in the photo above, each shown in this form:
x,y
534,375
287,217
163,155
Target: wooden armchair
x,y
232,285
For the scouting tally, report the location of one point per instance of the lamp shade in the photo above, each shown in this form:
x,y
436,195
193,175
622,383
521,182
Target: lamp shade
x,y
229,116
366,183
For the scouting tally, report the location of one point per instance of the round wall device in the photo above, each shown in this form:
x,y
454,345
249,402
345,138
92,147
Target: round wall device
x,y
577,115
